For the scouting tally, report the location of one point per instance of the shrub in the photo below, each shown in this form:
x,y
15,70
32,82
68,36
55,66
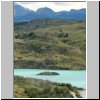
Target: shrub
x,y
69,86
47,89
37,48
63,35
32,92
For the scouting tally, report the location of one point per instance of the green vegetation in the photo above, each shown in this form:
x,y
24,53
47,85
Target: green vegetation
x,y
50,44
36,88
48,73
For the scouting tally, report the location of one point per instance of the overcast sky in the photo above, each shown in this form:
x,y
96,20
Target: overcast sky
x,y
56,6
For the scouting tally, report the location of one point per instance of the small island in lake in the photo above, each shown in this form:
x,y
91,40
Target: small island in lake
x,y
48,73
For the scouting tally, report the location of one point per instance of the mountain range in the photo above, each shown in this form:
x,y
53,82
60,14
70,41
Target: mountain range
x,y
22,14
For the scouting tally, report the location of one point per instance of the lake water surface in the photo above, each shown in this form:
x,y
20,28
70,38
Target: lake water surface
x,y
76,78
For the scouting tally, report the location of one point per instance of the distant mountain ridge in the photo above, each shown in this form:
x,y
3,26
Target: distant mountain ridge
x,y
22,14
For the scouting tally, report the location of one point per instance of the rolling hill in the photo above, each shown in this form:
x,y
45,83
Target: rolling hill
x,y
50,44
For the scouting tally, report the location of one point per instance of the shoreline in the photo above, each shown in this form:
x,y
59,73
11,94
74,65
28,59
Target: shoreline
x,y
73,92
50,69
81,92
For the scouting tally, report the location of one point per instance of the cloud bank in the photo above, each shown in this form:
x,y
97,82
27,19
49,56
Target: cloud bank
x,y
56,6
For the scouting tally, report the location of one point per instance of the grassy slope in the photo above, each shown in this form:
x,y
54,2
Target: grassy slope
x,y
36,88
50,44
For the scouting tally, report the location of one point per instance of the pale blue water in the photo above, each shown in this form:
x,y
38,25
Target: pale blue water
x,y
76,78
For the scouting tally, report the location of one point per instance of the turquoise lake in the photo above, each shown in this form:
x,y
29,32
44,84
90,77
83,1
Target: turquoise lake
x,y
74,77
